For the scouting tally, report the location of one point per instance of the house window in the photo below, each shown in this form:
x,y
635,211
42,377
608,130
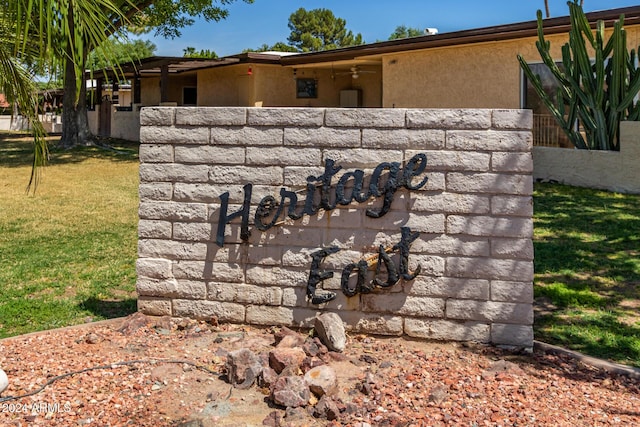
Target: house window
x,y
306,88
189,96
546,131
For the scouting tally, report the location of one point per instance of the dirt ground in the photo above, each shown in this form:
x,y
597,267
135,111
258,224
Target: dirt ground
x,y
160,372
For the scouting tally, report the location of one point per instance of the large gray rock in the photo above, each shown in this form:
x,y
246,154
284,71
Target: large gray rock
x,y
330,329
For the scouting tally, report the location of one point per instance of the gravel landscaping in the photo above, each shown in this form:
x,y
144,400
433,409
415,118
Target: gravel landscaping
x,y
142,371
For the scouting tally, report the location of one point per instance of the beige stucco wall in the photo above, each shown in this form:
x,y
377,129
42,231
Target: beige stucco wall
x,y
150,88
608,170
125,125
150,91
483,75
274,86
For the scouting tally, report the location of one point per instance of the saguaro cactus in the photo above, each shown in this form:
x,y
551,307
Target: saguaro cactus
x,y
595,92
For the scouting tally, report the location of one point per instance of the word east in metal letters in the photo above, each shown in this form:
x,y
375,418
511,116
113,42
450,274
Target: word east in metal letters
x,y
320,194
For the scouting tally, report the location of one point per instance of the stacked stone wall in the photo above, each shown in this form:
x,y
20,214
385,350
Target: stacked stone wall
x,y
450,213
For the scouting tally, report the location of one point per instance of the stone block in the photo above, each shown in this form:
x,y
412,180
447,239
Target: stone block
x,y
173,172
512,335
488,268
152,229
214,271
269,315
449,119
409,139
206,310
472,140
258,295
156,268
490,311
212,155
159,153
322,137
459,161
174,135
157,116
490,183
171,288
402,304
512,162
438,329
171,211
152,306
304,117
512,119
512,205
511,291
267,175
512,248
171,249
489,226
155,191
372,323
449,287
365,117
211,116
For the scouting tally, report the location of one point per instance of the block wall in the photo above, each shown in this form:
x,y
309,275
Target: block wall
x,y
465,272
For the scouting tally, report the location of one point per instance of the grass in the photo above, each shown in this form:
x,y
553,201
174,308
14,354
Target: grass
x,y
68,252
587,263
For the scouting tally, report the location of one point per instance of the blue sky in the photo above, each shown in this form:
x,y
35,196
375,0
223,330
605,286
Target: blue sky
x,y
265,21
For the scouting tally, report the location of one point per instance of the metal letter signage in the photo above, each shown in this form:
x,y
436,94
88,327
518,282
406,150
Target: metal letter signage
x,y
320,194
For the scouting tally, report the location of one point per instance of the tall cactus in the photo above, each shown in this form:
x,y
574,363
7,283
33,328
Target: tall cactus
x,y
595,92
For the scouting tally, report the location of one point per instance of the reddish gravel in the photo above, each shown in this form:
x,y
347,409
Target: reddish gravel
x,y
170,373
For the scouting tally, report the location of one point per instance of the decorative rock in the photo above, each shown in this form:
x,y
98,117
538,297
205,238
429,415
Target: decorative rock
x,y
438,394
311,348
243,368
311,362
133,322
290,391
322,380
327,408
268,377
284,332
290,341
4,381
284,357
330,329
274,419
92,339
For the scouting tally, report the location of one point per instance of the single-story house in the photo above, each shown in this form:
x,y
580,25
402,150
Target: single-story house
x,y
464,69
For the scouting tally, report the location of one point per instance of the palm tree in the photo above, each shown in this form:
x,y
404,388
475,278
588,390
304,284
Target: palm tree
x,y
43,31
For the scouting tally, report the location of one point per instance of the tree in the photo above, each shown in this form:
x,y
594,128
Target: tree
x,y
115,51
277,47
319,29
403,31
190,52
35,33
166,17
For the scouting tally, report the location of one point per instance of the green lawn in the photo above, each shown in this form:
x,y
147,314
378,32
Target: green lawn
x,y
587,263
69,252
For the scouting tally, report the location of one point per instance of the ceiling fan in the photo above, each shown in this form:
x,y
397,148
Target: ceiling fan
x,y
355,72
